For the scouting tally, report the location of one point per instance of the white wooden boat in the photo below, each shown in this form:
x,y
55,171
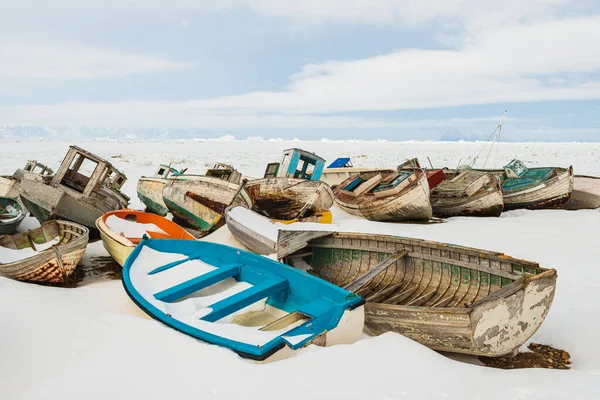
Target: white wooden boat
x,y
255,306
447,297
49,253
586,193
386,195
258,233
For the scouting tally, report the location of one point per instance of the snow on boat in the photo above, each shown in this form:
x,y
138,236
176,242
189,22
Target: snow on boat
x,y
150,188
82,190
340,170
49,253
449,298
11,215
201,202
291,189
258,233
257,307
534,188
586,193
386,195
464,193
122,230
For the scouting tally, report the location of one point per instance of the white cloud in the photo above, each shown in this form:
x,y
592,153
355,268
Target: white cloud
x,y
185,114
519,63
51,60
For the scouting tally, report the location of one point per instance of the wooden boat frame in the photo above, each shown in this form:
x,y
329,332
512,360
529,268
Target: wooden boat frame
x,y
55,264
411,203
449,298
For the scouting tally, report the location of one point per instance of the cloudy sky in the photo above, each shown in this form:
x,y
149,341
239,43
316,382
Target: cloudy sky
x,y
392,69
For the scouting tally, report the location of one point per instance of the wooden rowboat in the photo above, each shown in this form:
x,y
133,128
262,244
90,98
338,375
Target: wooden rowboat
x,y
447,297
289,198
386,195
122,230
465,193
11,215
586,193
255,306
49,253
258,233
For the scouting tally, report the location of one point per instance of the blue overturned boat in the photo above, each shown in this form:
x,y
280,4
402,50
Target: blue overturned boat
x,y
257,307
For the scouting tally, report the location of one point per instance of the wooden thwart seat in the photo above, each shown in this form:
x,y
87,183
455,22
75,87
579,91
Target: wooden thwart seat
x,y
245,298
198,283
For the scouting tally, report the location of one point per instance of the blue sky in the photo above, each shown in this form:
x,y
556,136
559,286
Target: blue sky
x,y
330,68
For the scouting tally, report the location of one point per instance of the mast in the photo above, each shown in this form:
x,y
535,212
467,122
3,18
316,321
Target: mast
x,y
496,136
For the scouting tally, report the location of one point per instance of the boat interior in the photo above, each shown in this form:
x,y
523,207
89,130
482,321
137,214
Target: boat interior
x,y
410,273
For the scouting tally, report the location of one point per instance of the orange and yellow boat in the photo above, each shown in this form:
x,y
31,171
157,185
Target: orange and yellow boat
x,y
122,230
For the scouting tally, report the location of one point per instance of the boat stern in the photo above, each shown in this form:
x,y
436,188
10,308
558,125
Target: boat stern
x,y
501,324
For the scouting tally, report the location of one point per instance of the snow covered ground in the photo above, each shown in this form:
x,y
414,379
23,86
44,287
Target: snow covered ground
x,y
92,343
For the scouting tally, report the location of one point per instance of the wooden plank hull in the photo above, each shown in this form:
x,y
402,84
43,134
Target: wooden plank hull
x,y
449,298
284,198
552,193
9,187
586,193
410,204
202,202
52,265
149,191
483,204
243,225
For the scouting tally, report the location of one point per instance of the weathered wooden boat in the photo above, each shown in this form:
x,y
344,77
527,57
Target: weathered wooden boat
x,y
150,188
449,298
586,193
11,215
255,306
534,188
122,230
258,233
386,195
83,189
291,189
465,193
200,202
340,170
49,253
10,185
